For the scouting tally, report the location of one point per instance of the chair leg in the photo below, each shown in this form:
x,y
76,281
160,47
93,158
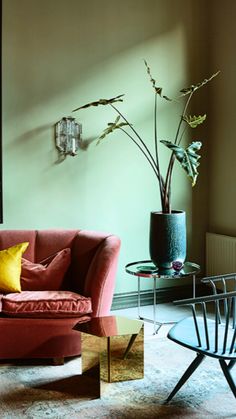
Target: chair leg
x,y
189,371
225,369
231,364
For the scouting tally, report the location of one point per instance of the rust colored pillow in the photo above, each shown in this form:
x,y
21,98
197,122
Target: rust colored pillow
x,y
47,275
46,304
1,296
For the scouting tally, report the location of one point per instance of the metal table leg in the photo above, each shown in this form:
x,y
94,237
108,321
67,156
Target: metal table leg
x,y
194,285
156,325
139,297
154,304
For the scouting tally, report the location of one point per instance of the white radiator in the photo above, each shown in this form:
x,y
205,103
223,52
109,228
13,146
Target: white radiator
x,y
220,254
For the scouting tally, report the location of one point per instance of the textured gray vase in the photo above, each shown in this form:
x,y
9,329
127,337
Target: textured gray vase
x,y
167,238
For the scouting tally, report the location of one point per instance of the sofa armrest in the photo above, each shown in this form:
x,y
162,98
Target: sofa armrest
x,y
94,262
100,278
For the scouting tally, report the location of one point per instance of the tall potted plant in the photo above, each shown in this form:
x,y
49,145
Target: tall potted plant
x,y
167,227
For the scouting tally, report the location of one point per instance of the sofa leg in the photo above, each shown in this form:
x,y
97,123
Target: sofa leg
x,y
58,361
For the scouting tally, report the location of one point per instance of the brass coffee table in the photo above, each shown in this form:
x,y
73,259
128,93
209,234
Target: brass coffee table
x,y
112,350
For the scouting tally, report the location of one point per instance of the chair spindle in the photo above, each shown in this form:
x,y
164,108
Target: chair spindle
x,y
216,324
227,319
232,347
205,325
196,325
215,293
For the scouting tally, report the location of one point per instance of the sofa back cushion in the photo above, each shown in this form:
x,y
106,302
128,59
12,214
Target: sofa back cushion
x,y
48,242
85,250
42,244
10,238
48,274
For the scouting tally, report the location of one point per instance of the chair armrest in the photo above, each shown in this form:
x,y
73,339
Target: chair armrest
x,y
205,298
224,282
209,279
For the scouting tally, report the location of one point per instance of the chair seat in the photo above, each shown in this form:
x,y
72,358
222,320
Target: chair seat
x,y
184,334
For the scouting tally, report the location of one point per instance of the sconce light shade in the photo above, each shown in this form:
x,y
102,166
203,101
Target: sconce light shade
x,y
68,136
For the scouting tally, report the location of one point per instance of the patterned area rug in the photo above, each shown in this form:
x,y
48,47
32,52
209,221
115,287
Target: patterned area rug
x,y
46,391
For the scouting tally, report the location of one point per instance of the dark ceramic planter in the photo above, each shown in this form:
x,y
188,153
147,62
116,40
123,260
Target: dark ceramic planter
x,y
167,238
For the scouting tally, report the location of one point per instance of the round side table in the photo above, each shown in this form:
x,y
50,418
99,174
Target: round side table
x,y
146,269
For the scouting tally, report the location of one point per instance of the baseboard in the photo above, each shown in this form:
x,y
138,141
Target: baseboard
x,y
163,295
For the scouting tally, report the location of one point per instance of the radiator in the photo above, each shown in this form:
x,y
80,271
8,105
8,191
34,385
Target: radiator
x,y
220,254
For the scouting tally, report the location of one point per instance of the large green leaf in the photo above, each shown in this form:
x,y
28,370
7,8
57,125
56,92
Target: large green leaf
x,y
193,87
194,121
101,102
112,126
188,158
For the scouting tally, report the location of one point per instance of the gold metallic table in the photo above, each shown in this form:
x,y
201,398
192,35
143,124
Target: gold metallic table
x,y
146,269
112,350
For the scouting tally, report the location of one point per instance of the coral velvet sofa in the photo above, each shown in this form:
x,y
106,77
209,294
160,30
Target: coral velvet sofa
x,y
91,275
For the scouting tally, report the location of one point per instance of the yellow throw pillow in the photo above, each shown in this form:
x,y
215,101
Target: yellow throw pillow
x,y
10,267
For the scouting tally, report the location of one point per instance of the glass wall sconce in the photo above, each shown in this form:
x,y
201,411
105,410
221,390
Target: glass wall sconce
x,y
68,136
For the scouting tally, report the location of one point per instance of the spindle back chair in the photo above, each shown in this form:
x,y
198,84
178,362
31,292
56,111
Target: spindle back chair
x,y
210,330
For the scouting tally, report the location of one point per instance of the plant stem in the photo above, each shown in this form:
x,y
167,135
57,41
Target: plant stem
x,y
182,135
157,155
145,154
182,116
136,133
167,186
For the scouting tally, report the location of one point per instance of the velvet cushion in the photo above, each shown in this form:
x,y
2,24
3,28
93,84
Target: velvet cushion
x,y
1,296
46,304
47,275
10,267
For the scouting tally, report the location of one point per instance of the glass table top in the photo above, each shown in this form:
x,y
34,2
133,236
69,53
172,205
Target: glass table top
x,y
109,326
147,269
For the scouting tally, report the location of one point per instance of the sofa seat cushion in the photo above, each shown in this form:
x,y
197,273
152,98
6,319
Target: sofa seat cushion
x,y
47,275
46,304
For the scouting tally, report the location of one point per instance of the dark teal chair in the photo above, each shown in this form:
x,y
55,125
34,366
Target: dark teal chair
x,y
211,329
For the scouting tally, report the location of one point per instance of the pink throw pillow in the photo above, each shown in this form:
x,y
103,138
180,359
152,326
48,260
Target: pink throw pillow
x,y
47,275
1,296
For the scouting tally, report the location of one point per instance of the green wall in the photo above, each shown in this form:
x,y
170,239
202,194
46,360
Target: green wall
x,y
60,54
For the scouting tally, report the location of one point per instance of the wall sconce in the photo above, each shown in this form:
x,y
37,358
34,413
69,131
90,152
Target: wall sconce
x,y
68,136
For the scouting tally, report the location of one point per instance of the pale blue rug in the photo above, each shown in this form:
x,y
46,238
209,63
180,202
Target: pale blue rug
x,y
45,391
